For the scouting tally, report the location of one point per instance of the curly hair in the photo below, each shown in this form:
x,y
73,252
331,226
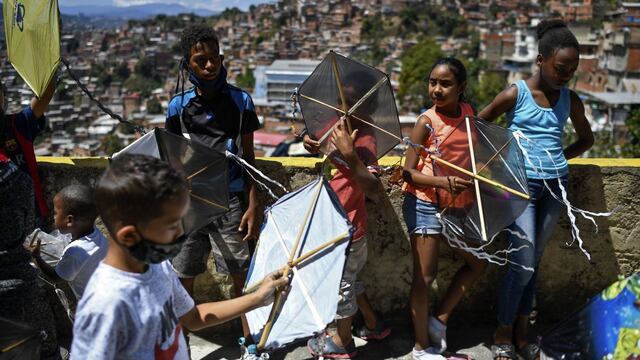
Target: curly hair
x,y
553,35
196,34
134,189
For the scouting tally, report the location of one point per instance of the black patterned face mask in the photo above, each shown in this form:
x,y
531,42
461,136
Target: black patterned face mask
x,y
150,252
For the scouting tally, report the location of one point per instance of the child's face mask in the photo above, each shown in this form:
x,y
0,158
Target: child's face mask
x,y
150,252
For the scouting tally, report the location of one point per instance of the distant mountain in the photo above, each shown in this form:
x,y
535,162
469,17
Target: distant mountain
x,y
134,11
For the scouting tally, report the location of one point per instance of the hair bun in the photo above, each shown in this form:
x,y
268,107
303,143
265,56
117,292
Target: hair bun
x,y
546,25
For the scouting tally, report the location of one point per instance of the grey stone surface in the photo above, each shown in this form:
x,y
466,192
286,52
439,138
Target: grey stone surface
x,y
567,278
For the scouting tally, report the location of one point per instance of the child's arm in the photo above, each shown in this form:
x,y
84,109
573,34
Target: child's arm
x,y
343,141
214,313
39,105
249,217
46,269
411,174
502,103
583,129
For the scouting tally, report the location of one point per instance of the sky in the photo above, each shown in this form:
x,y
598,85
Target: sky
x,y
214,5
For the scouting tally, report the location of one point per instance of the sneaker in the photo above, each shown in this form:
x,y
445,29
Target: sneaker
x,y
426,354
250,352
437,334
380,332
324,346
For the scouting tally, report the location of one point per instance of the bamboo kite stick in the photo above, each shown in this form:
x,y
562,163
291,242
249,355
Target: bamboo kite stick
x,y
207,201
336,72
437,159
479,177
302,258
484,166
201,170
278,301
483,227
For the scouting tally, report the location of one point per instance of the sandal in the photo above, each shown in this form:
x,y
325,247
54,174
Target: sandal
x,y
529,352
503,351
324,346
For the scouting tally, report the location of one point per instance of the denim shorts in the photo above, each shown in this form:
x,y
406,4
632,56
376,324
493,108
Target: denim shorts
x,y
420,216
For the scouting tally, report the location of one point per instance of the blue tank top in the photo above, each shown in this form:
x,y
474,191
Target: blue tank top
x,y
545,126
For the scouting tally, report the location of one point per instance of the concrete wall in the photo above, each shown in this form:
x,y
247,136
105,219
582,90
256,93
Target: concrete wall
x,y
567,279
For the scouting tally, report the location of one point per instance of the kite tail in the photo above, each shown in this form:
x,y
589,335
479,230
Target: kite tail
x,y
571,210
500,257
259,173
106,110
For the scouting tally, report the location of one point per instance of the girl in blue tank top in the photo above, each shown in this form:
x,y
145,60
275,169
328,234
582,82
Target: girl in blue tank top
x,y
538,107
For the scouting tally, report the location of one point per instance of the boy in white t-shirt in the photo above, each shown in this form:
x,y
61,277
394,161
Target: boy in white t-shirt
x,y
74,212
134,306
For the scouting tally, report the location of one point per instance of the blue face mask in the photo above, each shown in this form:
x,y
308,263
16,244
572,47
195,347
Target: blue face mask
x,y
150,252
215,85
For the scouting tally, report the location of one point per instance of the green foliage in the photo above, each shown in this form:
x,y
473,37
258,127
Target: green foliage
x,y
486,89
632,147
121,72
416,19
111,144
372,28
143,85
416,64
154,106
371,57
146,68
230,13
246,80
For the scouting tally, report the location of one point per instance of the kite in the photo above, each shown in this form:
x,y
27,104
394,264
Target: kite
x,y
342,88
32,30
306,233
19,341
206,172
489,156
607,327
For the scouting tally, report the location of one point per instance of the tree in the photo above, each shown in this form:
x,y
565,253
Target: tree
x,y
246,80
416,64
111,144
146,68
153,106
632,147
122,72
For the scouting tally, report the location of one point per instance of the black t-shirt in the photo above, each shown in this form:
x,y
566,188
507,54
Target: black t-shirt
x,y
216,124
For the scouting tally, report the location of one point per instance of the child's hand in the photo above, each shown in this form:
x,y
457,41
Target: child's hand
x,y
33,249
271,283
312,146
249,222
342,140
454,184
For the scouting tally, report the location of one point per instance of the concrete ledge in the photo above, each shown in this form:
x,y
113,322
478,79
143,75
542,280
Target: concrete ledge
x,y
567,279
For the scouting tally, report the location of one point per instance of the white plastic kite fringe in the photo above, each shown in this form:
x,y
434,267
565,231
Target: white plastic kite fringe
x,y
589,215
500,257
245,164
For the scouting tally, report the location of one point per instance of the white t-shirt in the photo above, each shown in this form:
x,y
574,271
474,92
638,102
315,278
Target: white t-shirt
x,y
80,259
128,315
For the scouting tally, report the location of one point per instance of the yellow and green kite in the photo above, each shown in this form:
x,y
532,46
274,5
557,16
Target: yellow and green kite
x,y
32,28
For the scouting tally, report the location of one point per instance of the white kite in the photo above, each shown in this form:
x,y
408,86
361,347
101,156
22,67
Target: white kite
x,y
306,233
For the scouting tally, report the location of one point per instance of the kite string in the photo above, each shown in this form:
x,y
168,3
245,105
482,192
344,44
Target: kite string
x,y
106,110
589,215
500,257
259,173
